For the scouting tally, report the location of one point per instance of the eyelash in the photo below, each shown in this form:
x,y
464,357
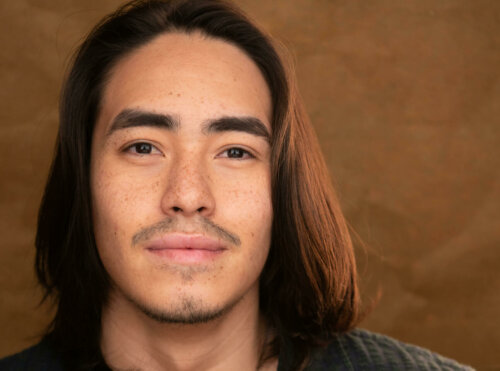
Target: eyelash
x,y
245,152
137,144
153,147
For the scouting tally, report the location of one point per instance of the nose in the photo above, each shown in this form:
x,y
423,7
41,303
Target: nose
x,y
188,192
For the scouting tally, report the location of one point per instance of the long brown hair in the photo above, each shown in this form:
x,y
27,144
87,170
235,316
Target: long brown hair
x,y
308,288
309,284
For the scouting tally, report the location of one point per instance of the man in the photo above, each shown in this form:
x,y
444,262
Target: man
x,y
188,222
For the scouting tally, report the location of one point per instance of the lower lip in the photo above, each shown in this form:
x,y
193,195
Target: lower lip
x,y
187,256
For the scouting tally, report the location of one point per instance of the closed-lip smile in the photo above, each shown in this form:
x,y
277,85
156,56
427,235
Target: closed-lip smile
x,y
186,248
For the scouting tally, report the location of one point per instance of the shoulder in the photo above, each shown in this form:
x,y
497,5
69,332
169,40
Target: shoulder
x,y
364,350
40,357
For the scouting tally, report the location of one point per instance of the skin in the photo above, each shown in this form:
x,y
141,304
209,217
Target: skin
x,y
189,180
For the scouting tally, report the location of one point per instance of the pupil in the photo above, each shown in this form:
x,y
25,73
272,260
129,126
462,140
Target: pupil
x,y
235,152
143,148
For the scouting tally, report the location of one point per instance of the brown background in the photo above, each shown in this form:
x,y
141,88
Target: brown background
x,y
405,97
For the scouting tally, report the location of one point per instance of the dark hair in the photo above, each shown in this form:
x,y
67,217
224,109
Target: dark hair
x,y
308,288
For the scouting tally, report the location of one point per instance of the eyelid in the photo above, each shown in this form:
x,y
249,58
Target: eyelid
x,y
249,153
154,148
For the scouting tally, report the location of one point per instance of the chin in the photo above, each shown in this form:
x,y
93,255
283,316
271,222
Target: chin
x,y
187,310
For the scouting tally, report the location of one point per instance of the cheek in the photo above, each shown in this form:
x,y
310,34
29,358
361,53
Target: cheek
x,y
250,193
254,211
247,206
120,205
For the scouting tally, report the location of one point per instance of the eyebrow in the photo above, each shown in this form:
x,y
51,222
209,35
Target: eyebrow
x,y
129,118
250,125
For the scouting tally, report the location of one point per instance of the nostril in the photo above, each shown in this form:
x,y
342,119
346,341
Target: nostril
x,y
177,209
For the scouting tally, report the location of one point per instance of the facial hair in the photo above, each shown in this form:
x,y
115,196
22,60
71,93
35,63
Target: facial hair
x,y
192,311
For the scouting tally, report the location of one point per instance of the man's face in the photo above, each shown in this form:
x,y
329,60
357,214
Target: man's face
x,y
180,177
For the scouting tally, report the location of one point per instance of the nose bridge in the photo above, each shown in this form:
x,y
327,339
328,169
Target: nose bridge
x,y
188,189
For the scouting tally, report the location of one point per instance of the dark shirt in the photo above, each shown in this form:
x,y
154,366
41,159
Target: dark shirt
x,y
356,350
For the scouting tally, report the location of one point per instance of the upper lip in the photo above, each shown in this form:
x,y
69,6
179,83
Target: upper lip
x,y
185,241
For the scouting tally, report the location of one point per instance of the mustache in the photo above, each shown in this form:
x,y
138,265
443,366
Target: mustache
x,y
169,225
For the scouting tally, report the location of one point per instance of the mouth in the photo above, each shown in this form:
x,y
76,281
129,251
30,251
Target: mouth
x,y
186,248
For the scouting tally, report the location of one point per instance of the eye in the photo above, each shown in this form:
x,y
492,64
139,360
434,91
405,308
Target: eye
x,y
236,153
142,148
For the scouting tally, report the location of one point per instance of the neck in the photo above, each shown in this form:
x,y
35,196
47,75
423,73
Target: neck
x,y
132,340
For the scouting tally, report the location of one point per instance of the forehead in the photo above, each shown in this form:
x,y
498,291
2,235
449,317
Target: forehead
x,y
189,75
